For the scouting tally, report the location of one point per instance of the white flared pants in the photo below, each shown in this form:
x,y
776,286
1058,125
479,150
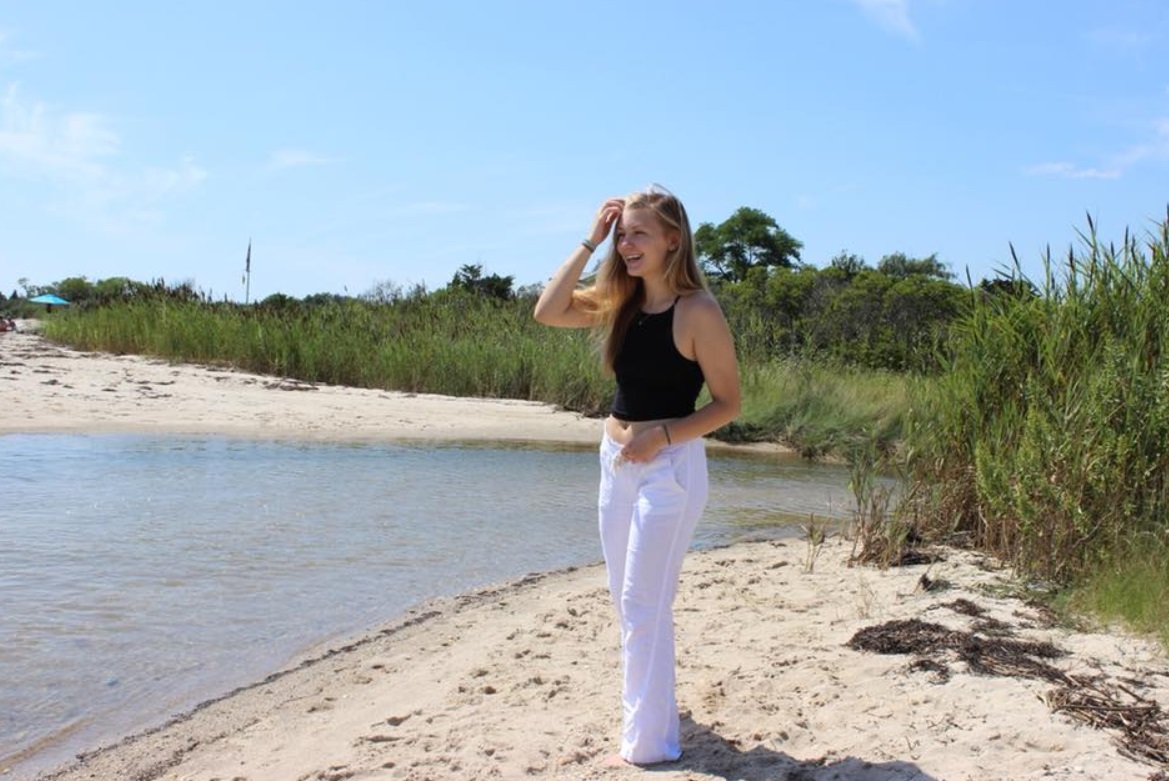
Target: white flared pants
x,y
647,515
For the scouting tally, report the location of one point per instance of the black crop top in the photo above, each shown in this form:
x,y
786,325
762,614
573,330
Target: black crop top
x,y
654,380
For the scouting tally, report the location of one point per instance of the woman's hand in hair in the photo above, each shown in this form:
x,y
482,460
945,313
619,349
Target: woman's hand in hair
x,y
605,219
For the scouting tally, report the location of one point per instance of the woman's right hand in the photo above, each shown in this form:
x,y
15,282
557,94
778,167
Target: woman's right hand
x,y
605,219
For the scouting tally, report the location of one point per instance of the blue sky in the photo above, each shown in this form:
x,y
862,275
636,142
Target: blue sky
x,y
359,142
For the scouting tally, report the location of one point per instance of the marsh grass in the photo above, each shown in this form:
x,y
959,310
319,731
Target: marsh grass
x,y
461,344
879,536
1046,438
457,346
1133,589
822,408
815,535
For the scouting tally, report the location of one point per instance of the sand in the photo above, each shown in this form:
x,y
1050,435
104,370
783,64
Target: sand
x,y
520,680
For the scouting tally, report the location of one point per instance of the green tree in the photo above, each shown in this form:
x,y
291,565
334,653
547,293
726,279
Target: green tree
x,y
470,278
748,238
900,265
849,263
75,290
111,289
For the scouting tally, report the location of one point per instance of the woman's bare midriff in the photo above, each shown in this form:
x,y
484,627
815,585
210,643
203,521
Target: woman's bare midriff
x,y
623,431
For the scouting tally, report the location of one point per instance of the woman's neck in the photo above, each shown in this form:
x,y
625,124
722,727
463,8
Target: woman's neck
x,y
657,295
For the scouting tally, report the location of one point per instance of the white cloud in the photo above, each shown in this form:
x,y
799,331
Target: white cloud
x,y
1070,171
296,158
79,155
1153,150
893,15
9,54
34,138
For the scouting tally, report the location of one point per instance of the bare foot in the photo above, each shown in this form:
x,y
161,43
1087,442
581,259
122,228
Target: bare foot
x,y
615,760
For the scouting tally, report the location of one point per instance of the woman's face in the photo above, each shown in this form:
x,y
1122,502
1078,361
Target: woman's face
x,y
643,242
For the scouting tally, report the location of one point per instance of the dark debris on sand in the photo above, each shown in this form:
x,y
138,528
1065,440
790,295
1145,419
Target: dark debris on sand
x,y
1141,725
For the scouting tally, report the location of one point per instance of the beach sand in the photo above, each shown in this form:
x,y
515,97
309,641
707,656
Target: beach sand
x,y
793,664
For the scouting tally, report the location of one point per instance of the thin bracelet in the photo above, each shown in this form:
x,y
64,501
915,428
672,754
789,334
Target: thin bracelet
x,y
666,429
588,245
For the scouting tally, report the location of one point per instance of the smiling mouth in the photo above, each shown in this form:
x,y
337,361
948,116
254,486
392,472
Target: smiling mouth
x,y
633,258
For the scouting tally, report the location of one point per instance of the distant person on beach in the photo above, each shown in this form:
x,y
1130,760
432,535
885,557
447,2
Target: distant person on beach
x,y
663,335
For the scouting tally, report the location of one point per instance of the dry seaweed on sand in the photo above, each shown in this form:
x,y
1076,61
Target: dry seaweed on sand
x,y
1141,725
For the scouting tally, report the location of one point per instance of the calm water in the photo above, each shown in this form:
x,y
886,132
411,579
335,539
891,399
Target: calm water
x,y
142,575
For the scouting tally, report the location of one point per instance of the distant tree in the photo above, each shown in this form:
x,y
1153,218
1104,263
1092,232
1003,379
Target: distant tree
x,y
114,289
76,290
322,299
384,292
1004,287
849,263
280,302
747,239
900,266
531,291
30,290
470,278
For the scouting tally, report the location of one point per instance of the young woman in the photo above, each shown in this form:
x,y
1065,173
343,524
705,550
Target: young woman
x,y
663,335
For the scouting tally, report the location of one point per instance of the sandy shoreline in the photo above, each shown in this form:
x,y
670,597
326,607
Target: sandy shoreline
x,y
48,388
521,681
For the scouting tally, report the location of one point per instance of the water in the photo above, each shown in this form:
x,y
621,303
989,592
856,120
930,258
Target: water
x,y
141,575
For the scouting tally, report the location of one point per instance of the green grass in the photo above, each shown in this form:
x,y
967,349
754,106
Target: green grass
x,y
826,409
467,345
1133,590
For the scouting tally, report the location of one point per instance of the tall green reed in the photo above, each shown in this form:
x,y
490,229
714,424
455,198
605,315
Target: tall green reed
x,y
1046,438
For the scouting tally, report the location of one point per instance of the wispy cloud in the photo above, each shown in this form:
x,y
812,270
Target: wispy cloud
x,y
80,155
286,158
38,140
1154,149
1066,170
893,15
9,53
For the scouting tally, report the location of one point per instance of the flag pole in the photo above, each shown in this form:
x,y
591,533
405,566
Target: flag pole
x,y
248,274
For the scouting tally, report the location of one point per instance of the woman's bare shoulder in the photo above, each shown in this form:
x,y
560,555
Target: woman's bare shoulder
x,y
699,304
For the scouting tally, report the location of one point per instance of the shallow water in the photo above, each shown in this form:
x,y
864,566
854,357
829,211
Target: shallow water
x,y
141,575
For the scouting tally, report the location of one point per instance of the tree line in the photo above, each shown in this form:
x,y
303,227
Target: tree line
x,y
893,315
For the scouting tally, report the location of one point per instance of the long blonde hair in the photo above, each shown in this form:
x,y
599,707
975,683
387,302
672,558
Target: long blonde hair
x,y
615,297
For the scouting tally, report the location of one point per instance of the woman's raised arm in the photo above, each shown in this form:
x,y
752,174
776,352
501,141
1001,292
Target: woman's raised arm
x,y
555,306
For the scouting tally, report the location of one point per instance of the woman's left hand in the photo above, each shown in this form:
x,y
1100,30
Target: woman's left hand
x,y
644,446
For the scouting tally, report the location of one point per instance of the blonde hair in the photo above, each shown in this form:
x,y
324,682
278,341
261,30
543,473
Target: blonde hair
x,y
615,297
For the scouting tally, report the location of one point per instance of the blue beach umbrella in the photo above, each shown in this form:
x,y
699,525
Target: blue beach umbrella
x,y
47,298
